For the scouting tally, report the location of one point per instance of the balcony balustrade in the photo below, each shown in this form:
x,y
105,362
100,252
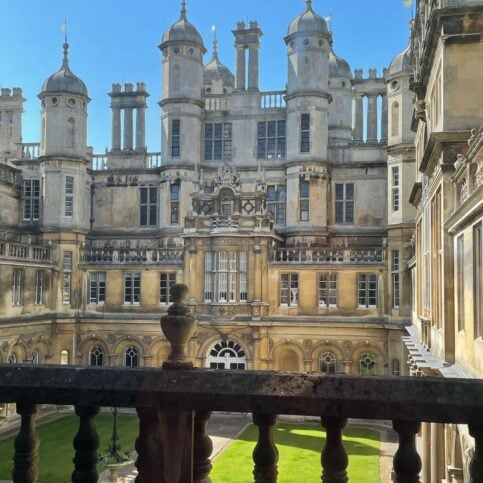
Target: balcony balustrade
x,y
297,255
30,150
174,404
25,253
273,100
113,256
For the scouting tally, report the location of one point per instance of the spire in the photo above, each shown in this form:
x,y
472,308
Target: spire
x,y
215,42
308,4
65,62
183,9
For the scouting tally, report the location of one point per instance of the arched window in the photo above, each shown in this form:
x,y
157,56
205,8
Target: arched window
x,y
395,119
35,357
71,133
396,367
327,363
367,364
12,358
226,354
64,357
131,356
96,356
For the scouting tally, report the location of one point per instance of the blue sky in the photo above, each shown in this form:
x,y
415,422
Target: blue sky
x,y
116,41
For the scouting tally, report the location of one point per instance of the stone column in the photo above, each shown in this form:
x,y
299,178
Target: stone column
x,y
253,68
425,452
116,128
437,452
140,128
128,128
240,68
372,118
384,119
358,117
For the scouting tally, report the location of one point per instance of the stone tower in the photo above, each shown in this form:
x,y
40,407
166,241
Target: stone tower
x,y
309,44
11,108
63,150
401,177
183,50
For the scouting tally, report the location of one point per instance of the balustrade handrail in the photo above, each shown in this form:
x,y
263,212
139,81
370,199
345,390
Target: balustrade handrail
x,y
131,255
335,395
25,252
328,254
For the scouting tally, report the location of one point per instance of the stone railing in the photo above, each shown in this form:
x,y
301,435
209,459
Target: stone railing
x,y
217,103
9,175
30,150
99,162
174,405
153,160
228,223
131,255
25,252
273,100
328,255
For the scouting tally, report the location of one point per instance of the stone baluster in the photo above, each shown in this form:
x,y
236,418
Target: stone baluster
x,y
476,464
165,442
407,463
202,448
334,457
265,454
148,463
86,444
25,467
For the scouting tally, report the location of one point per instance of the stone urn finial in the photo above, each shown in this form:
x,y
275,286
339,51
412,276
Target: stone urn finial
x,y
178,327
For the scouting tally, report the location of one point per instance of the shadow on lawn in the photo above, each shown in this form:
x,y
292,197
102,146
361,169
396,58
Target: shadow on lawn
x,y
287,434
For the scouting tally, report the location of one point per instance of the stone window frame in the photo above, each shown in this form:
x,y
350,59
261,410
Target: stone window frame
x,y
217,141
305,123
328,362
289,289
148,205
396,278
174,193
18,286
67,277
330,291
175,138
304,200
226,277
367,363
365,292
477,280
277,204
69,197
31,200
395,202
97,288
272,139
39,287
344,203
131,356
132,288
166,281
97,353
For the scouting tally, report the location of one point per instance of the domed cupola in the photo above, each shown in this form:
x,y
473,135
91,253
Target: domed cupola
x,y
338,67
64,80
217,78
402,62
182,32
308,22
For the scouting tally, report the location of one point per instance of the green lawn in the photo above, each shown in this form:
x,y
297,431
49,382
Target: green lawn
x,y
300,447
56,450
